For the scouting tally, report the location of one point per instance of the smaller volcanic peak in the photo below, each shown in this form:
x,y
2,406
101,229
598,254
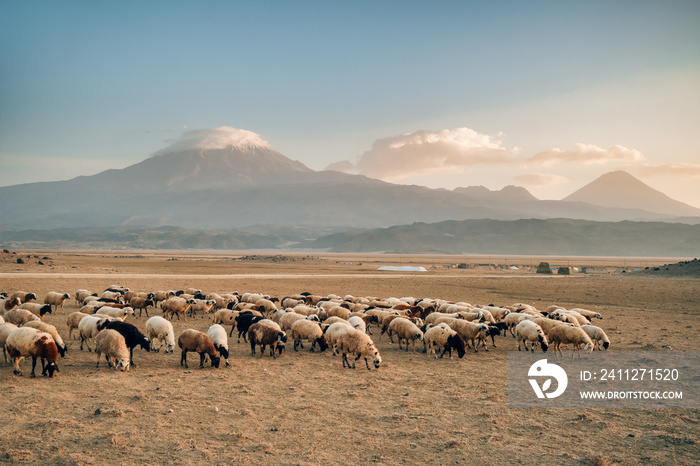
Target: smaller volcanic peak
x,y
508,193
621,190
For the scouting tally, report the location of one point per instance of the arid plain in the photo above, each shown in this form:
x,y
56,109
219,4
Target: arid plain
x,y
304,408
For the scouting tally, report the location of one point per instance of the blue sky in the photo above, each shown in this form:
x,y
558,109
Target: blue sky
x,y
544,94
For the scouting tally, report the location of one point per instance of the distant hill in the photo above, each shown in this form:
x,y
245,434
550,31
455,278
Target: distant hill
x,y
523,237
619,189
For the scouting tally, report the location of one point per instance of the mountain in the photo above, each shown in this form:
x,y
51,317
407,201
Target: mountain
x,y
231,179
524,237
619,189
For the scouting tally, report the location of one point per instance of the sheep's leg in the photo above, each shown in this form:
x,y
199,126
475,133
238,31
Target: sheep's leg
x,y
15,364
33,366
345,360
4,353
202,356
296,344
367,363
511,331
183,359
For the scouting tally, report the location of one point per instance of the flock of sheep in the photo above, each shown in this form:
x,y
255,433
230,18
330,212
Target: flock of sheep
x,y
342,323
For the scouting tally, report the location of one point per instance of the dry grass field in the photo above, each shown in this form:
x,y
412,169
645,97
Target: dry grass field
x,y
304,408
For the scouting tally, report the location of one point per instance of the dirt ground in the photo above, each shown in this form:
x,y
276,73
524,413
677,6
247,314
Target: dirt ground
x,y
304,408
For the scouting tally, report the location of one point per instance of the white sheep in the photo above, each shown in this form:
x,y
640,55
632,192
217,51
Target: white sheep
x,y
73,321
334,331
5,329
405,330
468,331
56,299
547,324
19,316
113,345
596,334
588,314
308,330
39,310
26,341
288,319
526,331
361,345
158,328
51,330
564,334
88,329
23,296
358,323
442,336
218,337
123,313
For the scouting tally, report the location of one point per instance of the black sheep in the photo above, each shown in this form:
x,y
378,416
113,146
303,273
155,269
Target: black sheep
x,y
243,323
132,336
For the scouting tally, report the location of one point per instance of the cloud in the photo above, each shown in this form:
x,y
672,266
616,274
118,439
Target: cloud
x,y
539,180
586,154
425,152
344,166
674,169
216,138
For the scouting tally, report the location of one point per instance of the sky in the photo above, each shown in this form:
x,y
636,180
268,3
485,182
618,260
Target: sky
x,y
548,95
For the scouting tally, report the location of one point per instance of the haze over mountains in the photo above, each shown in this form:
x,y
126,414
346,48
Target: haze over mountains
x,y
244,184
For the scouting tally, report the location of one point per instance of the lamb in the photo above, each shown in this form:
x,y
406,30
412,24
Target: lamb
x,y
563,334
596,334
263,335
51,330
115,312
23,296
194,340
113,345
140,303
131,334
444,337
526,331
158,328
202,307
73,321
405,330
27,341
5,329
218,337
361,345
176,305
37,309
19,317
334,331
308,330
56,299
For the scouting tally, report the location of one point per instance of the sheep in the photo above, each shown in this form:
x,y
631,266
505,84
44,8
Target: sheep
x,y
113,345
51,330
334,319
218,337
113,294
81,294
334,331
194,340
201,306
243,323
513,319
158,328
444,337
547,324
288,319
266,306
226,317
131,334
468,331
436,315
73,321
308,330
2,320
405,330
140,303
10,304
263,335
23,296
368,319
175,305
5,329
159,296
115,312
564,316
88,329
596,334
27,341
361,345
37,309
19,317
358,323
56,299
526,331
587,314
562,334
386,322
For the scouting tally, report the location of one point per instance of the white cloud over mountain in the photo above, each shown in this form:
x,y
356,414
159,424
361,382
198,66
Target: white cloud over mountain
x,y
216,138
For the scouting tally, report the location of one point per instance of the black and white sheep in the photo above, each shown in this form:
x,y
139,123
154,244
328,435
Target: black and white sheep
x,y
442,336
39,310
218,337
26,341
56,299
597,335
